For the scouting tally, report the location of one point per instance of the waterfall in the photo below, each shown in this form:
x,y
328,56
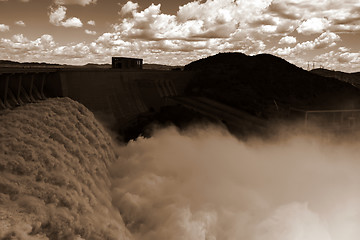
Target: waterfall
x,y
54,181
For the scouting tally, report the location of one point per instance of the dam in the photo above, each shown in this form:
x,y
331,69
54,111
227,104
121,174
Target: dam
x,y
124,94
126,91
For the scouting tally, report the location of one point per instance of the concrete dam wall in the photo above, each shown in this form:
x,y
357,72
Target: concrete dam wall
x,y
123,94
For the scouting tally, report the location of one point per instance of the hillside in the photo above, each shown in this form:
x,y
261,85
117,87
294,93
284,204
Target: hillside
x,y
7,63
352,78
264,85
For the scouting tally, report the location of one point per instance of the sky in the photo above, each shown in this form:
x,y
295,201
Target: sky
x,y
319,33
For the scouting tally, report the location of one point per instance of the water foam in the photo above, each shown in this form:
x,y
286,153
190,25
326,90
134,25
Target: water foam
x,y
206,184
62,178
54,181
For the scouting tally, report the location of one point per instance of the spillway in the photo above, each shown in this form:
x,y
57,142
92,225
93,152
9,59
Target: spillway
x,y
54,181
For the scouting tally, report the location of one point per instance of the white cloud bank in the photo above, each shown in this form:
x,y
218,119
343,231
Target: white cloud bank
x,y
288,28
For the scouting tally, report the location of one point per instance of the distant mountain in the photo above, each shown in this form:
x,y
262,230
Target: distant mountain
x,y
352,78
94,65
161,67
265,84
7,63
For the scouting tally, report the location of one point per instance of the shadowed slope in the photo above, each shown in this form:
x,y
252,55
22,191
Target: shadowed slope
x,y
352,78
260,84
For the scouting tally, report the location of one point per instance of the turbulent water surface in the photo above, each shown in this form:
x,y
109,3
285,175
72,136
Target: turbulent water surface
x,y
63,178
54,182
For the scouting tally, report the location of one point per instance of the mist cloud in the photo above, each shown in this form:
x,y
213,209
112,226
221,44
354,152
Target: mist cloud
x,y
206,184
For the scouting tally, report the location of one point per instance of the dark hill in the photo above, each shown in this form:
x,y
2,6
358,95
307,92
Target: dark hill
x,y
8,63
352,78
265,84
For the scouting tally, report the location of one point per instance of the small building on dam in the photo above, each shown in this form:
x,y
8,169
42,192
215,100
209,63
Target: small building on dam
x,y
126,63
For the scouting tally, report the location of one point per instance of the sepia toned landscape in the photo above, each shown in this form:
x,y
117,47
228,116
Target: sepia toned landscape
x,y
179,120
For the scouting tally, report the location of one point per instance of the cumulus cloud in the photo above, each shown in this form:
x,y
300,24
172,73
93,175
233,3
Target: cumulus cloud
x,y
91,22
232,23
90,32
4,28
313,25
127,8
20,23
185,36
72,22
57,18
288,40
344,58
325,40
282,9
78,2
57,15
317,16
211,19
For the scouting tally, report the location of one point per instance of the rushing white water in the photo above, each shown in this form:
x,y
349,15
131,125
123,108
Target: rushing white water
x,y
206,184
54,181
63,178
